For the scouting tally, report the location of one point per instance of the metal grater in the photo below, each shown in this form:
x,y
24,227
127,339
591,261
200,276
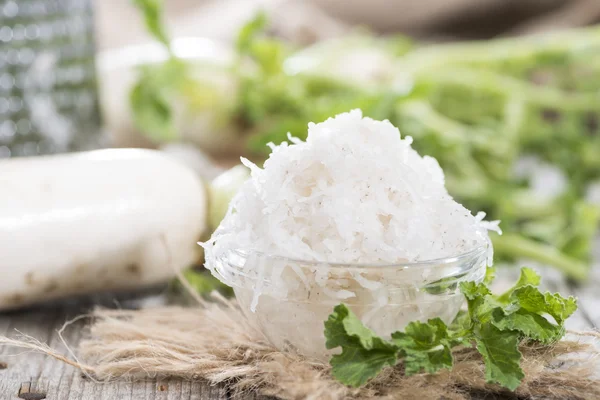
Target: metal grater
x,y
48,91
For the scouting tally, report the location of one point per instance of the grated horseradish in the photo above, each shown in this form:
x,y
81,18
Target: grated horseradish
x,y
354,192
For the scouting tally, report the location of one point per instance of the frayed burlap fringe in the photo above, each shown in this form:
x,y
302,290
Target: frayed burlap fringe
x,y
214,342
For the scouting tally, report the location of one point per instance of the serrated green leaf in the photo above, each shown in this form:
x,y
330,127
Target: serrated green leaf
x,y
531,325
521,312
562,308
534,301
461,326
480,301
424,346
496,324
355,366
501,356
474,291
528,277
363,354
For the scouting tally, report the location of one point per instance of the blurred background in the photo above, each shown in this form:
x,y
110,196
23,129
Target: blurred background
x,y
504,93
64,36
432,19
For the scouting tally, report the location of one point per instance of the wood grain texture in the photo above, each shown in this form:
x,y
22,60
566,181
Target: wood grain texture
x,y
238,395
32,376
39,377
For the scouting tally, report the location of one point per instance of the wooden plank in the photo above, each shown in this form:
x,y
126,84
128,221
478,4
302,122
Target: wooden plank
x,y
51,379
239,395
142,390
171,389
203,391
23,368
61,376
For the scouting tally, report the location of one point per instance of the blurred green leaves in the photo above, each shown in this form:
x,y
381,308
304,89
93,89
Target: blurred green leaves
x,y
476,107
152,13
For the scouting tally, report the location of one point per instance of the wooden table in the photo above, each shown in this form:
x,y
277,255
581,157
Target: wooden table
x,y
27,375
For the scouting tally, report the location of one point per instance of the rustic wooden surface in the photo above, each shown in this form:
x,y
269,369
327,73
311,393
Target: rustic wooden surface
x,y
27,375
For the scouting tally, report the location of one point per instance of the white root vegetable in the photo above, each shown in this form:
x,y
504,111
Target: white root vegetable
x,y
194,158
102,220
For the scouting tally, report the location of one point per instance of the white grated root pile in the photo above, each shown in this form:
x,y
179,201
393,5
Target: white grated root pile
x,y
354,192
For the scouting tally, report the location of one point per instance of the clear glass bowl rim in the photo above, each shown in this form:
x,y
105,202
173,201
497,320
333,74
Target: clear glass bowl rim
x,y
475,252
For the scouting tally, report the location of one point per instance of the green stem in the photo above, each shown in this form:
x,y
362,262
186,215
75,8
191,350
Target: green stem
x,y
524,204
519,246
506,86
501,50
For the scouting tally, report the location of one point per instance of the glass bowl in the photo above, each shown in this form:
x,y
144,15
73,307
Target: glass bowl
x,y
289,300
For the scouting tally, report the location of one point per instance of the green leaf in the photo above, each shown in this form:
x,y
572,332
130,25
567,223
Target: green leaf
x,y
152,112
269,55
497,325
424,346
151,97
266,52
532,300
204,283
474,291
501,355
363,353
442,286
490,275
152,11
249,31
461,325
528,277
531,325
479,301
523,312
